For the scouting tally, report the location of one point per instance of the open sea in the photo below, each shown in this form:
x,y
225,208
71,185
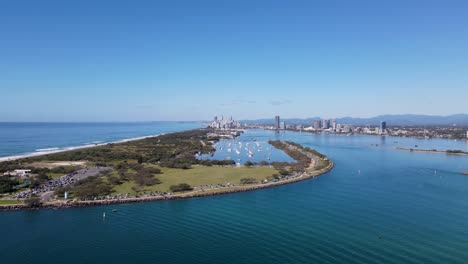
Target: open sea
x,y
33,138
378,205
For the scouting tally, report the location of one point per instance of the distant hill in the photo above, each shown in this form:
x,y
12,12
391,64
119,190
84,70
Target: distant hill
x,y
392,120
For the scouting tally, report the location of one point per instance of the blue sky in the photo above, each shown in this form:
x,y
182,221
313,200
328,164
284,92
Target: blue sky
x,y
190,60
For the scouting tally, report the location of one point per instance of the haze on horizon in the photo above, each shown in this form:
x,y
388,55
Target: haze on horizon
x,y
188,60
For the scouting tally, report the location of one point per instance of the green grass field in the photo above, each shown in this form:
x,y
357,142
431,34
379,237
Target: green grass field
x,y
55,175
197,176
9,202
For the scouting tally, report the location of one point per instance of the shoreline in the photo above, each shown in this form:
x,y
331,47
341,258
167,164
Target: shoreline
x,y
433,151
54,150
187,195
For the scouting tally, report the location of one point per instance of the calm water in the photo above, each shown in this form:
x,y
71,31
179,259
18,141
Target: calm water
x,y
26,138
402,207
255,143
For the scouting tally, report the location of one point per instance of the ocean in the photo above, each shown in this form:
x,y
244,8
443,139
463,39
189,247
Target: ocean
x,y
17,139
378,205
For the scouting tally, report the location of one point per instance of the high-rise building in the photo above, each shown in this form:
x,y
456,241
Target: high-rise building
x,y
277,122
334,125
316,124
282,125
346,129
325,124
383,127
224,123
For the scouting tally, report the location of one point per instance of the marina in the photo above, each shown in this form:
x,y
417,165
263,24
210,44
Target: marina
x,y
250,146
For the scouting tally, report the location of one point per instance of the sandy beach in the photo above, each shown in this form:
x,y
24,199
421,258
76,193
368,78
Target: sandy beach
x,y
58,150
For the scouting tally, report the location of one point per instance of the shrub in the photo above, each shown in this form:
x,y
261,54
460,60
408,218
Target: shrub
x,y
180,187
248,180
33,201
249,164
7,184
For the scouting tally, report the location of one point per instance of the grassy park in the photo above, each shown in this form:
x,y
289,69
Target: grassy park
x,y
197,176
10,202
162,164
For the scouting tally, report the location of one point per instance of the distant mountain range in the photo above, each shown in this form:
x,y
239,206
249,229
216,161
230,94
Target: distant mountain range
x,y
392,120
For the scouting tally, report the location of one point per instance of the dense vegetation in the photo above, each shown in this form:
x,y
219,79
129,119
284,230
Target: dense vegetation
x,y
457,151
33,201
174,150
181,187
297,153
248,180
102,185
7,184
302,160
171,150
87,189
137,164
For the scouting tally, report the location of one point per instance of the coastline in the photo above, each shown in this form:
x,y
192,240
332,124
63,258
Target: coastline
x,y
311,171
186,195
432,151
59,150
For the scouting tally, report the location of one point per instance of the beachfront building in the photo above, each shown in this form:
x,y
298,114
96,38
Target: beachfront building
x,y
221,123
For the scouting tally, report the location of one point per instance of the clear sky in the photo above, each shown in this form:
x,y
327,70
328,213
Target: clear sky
x,y
189,60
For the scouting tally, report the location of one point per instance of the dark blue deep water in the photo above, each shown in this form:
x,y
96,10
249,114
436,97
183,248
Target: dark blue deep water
x,y
378,205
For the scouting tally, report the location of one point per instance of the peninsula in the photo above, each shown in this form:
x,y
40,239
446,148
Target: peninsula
x,y
448,152
155,168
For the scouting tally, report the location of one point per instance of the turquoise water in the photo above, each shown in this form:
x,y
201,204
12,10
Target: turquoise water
x,y
402,207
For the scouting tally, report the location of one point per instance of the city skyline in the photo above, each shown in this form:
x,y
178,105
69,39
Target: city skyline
x,y
115,61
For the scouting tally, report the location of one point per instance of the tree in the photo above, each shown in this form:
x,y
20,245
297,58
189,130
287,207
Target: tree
x,y
33,201
180,187
249,164
248,180
7,184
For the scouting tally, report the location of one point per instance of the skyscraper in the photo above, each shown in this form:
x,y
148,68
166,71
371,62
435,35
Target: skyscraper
x,y
326,124
277,122
383,127
316,124
334,124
